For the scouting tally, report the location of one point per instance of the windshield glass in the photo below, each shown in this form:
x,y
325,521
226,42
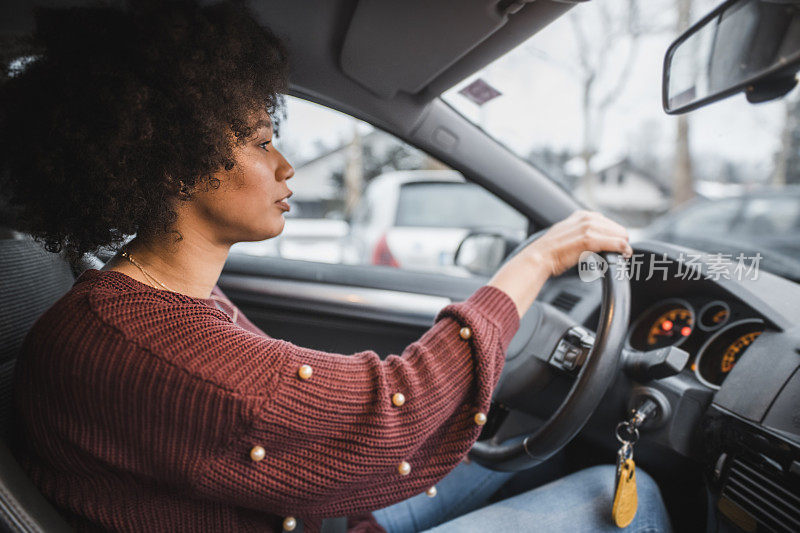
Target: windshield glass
x,y
581,100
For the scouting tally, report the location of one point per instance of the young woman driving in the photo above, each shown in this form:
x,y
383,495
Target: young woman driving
x,y
146,400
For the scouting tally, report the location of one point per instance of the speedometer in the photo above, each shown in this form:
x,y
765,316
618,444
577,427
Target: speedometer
x,y
667,323
722,351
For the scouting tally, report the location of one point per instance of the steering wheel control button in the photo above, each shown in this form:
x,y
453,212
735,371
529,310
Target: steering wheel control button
x,y
431,492
572,349
404,468
480,419
465,333
398,399
257,454
289,523
305,372
571,357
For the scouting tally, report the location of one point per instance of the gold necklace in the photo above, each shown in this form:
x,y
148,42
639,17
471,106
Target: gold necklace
x,y
152,279
147,275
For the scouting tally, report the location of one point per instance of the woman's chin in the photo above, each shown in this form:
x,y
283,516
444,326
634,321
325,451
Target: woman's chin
x,y
268,229
274,229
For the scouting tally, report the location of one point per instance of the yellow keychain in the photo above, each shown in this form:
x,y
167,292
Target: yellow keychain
x,y
625,498
623,511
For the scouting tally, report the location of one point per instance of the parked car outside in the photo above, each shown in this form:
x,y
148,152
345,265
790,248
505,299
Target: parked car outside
x,y
766,219
416,219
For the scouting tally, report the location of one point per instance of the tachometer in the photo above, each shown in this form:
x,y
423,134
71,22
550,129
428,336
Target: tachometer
x,y
714,315
721,352
667,323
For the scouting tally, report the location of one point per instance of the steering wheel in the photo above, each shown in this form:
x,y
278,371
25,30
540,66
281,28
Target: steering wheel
x,y
549,343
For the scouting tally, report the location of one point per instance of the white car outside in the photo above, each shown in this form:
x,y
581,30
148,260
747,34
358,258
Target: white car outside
x,y
416,219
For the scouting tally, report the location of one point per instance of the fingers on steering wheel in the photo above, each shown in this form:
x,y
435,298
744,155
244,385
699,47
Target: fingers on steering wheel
x,y
603,234
613,227
603,242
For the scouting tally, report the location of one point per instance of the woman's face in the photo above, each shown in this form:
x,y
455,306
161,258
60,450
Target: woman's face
x,y
247,204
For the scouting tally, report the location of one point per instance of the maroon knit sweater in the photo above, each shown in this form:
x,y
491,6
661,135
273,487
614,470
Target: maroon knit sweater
x,y
139,409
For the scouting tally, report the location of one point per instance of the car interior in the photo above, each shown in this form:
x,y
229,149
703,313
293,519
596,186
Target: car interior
x,y
721,441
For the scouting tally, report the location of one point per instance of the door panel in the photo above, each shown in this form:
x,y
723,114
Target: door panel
x,y
340,308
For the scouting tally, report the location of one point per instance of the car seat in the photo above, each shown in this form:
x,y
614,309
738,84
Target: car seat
x,y
31,280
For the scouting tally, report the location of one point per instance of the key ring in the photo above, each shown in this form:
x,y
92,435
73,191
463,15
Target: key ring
x,y
625,453
630,430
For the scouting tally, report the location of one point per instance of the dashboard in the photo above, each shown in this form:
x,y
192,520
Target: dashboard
x,y
717,320
734,408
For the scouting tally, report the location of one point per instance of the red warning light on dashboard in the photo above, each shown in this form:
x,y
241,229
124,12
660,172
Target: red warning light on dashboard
x,y
666,325
686,331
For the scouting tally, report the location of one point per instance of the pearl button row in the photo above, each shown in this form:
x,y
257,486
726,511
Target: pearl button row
x,y
398,399
289,523
466,334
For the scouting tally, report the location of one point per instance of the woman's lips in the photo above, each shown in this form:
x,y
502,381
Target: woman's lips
x,y
282,202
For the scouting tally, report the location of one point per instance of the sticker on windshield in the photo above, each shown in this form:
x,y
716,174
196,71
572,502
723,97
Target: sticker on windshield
x,y
480,92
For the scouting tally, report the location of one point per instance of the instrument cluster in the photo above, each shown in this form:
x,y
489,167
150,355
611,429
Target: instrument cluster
x,y
715,333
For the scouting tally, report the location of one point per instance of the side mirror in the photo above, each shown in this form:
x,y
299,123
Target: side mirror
x,y
742,45
482,253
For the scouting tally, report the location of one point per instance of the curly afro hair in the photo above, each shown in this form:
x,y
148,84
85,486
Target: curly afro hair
x,y
123,111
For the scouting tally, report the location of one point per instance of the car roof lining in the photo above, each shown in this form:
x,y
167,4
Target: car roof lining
x,y
387,47
381,54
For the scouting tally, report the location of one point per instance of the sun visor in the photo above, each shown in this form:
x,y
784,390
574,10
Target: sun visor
x,y
417,45
393,46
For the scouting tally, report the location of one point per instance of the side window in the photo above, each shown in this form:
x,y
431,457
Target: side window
x,y
362,196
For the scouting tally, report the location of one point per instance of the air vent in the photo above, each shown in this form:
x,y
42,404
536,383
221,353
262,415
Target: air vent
x,y
763,495
565,301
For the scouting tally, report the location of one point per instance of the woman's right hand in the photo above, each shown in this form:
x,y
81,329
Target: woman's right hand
x,y
557,250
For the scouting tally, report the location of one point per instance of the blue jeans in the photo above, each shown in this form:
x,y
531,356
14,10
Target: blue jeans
x,y
578,502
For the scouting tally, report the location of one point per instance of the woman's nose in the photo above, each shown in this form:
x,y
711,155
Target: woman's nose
x,y
285,170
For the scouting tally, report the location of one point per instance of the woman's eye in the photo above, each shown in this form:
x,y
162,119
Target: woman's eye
x,y
264,145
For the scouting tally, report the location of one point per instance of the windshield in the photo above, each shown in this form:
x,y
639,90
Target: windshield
x,y
581,100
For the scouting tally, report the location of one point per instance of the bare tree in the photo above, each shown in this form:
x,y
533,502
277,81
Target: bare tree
x,y
682,177
610,35
787,160
353,171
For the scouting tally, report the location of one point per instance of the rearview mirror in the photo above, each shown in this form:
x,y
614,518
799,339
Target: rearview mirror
x,y
742,45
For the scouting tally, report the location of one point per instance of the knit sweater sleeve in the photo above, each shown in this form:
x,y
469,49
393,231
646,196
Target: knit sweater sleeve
x,y
334,442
